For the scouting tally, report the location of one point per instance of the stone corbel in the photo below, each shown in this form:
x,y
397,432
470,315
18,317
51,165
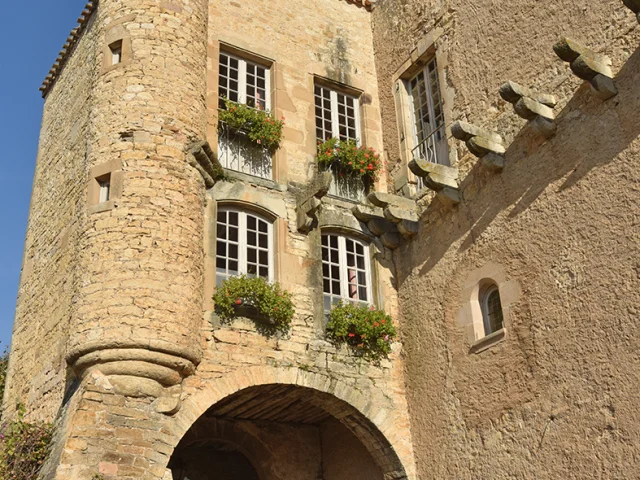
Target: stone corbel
x,y
634,6
201,157
537,108
391,218
485,145
589,66
309,201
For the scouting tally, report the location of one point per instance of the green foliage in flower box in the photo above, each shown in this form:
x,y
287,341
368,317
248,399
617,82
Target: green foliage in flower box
x,y
269,300
260,126
349,158
369,332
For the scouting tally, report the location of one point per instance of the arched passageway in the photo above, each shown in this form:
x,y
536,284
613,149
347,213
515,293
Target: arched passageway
x,y
284,432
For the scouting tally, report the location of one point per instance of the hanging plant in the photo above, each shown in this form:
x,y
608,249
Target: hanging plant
x,y
259,125
369,332
254,297
349,158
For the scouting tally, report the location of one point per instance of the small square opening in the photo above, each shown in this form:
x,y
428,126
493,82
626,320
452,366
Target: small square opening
x,y
104,184
116,52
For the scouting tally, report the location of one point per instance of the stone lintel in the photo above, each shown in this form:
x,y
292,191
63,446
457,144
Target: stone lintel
x,y
480,146
465,131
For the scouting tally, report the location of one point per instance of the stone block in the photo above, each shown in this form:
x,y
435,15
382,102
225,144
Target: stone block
x,y
587,67
465,131
481,146
365,213
544,127
408,228
391,240
382,200
512,92
450,196
604,87
493,162
569,50
380,226
396,214
437,182
529,109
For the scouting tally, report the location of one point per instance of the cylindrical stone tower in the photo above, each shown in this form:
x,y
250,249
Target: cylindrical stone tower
x,y
138,310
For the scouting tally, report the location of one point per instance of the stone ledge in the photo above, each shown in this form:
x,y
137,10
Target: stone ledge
x,y
489,341
250,179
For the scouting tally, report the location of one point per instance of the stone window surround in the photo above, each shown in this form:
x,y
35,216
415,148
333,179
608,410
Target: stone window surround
x,y
405,182
113,169
116,33
470,316
249,198
278,159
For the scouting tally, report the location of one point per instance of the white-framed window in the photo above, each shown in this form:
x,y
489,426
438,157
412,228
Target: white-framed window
x,y
346,270
427,116
244,245
491,307
338,116
243,81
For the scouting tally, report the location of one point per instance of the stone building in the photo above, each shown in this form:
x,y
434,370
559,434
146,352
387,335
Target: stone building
x,y
503,238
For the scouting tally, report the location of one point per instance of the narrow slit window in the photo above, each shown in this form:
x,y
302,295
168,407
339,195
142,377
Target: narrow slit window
x,y
104,184
116,52
492,315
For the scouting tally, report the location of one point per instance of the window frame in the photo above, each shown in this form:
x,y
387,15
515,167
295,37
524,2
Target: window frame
x,y
242,78
486,294
242,243
334,91
434,126
344,271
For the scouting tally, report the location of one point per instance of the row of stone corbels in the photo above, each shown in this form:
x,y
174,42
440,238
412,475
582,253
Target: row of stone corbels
x,y
532,106
391,218
589,66
71,42
309,201
201,157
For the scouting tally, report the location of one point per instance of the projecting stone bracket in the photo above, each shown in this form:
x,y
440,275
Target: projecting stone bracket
x,y
201,157
589,66
391,218
537,108
434,176
309,201
485,145
634,6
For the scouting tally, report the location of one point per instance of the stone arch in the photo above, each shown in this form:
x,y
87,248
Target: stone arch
x,y
377,424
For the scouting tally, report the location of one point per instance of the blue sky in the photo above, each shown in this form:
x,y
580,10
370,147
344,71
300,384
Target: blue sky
x,y
32,35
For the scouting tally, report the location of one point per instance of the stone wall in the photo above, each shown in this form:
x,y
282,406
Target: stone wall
x,y
555,230
37,373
